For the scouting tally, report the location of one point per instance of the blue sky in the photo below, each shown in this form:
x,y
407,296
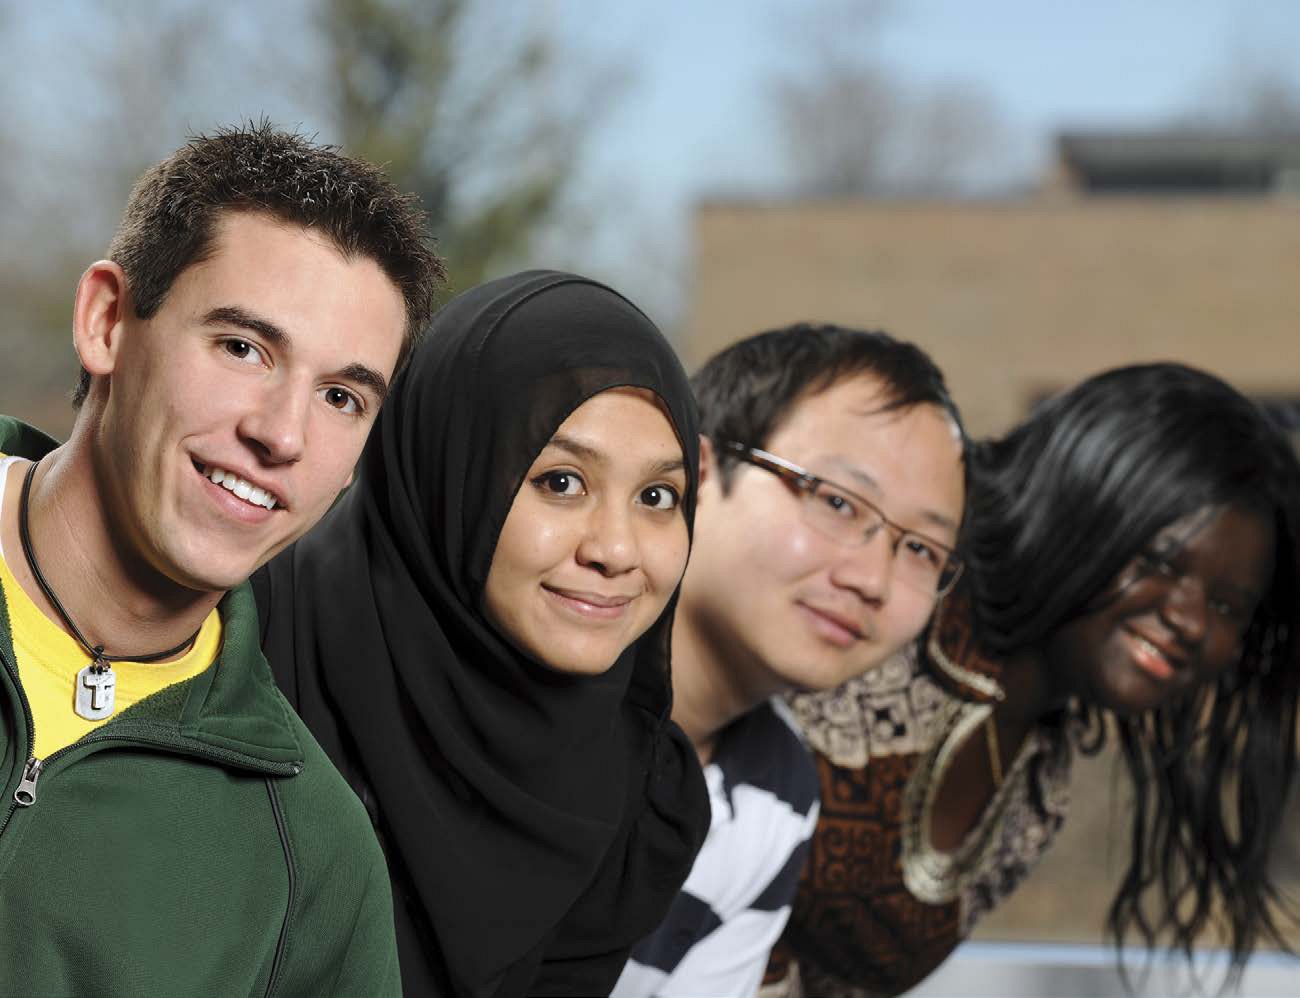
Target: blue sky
x,y
696,118
696,111
695,115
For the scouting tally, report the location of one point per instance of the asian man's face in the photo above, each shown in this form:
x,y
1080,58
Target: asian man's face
x,y
789,605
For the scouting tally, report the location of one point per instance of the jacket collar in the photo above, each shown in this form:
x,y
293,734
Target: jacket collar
x,y
232,707
17,438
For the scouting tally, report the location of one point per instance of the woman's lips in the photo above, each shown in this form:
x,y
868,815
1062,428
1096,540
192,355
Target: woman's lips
x,y
1150,659
597,606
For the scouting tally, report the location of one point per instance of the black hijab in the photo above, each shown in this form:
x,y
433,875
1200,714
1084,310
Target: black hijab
x,y
537,824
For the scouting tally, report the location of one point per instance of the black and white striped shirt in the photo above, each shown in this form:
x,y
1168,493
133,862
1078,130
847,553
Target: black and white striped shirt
x,y
763,789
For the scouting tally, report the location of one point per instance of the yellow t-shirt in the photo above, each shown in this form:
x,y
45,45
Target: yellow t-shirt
x,y
49,660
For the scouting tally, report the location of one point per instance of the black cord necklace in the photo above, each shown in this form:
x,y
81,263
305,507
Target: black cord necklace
x,y
95,683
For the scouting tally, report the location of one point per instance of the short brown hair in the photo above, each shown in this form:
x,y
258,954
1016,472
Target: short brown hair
x,y
171,215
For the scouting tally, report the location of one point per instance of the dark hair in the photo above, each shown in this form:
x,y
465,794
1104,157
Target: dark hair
x,y
748,389
171,215
1059,506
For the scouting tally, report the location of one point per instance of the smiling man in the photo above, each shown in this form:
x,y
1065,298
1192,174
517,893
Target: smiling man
x,y
832,487
168,825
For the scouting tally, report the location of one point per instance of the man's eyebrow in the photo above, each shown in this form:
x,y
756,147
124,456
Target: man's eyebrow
x,y
861,477
939,520
366,377
234,315
929,515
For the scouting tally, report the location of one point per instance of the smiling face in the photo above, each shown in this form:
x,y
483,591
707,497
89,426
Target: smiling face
x,y
595,541
780,605
1174,617
231,419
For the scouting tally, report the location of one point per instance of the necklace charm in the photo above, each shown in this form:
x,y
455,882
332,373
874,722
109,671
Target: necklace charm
x,y
94,697
96,684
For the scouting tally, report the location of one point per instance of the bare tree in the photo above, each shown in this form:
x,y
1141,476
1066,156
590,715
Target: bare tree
x,y
853,128
1261,95
472,105
955,135
837,127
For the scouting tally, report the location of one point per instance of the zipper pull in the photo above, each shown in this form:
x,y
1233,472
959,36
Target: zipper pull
x,y
25,795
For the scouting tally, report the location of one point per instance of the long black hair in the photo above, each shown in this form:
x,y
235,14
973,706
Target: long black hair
x,y
1059,506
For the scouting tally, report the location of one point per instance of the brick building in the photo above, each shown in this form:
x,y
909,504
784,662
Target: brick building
x,y
1138,247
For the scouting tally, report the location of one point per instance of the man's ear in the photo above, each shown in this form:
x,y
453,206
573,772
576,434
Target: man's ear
x,y
708,463
98,314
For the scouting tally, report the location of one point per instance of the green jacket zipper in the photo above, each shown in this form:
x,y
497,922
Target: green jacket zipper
x,y
25,794
31,741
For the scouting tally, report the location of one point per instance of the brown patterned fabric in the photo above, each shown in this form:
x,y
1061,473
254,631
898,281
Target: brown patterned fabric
x,y
877,908
856,853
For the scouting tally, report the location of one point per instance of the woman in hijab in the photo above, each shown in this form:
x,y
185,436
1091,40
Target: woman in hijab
x,y
478,634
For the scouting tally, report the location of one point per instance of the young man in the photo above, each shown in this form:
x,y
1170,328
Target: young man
x,y
832,486
168,825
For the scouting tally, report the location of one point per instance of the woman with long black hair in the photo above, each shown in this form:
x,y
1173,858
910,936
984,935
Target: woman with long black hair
x,y
478,634
1134,559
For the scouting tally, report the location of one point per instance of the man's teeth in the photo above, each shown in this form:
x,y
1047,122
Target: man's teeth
x,y
245,490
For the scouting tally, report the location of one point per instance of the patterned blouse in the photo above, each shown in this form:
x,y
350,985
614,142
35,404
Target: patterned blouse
x,y
878,907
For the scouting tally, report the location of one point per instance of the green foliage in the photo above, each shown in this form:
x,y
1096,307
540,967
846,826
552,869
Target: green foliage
x,y
470,104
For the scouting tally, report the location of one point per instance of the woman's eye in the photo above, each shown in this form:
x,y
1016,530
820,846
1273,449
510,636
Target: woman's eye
x,y
1229,610
1150,563
341,399
560,483
660,497
244,351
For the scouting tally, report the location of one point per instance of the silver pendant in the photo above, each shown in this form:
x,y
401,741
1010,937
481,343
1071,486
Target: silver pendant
x,y
95,691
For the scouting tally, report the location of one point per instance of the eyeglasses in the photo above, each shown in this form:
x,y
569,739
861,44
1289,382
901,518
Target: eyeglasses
x,y
848,518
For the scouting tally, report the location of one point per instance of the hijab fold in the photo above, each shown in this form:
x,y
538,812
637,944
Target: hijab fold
x,y
537,824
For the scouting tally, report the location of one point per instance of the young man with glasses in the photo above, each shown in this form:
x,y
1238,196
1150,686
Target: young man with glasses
x,y
832,485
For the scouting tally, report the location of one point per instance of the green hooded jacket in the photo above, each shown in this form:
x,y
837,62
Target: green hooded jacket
x,y
199,843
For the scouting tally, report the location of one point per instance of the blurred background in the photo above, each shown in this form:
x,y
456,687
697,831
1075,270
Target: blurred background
x,y
1032,190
